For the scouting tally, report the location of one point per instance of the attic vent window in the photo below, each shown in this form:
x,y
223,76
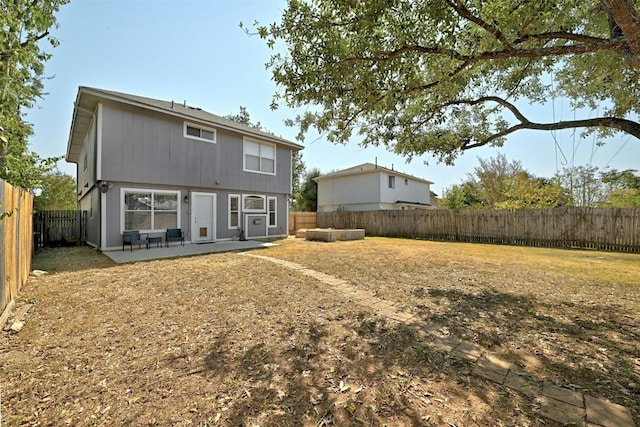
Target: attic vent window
x,y
200,133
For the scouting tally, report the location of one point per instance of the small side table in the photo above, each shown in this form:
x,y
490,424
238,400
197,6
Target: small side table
x,y
156,240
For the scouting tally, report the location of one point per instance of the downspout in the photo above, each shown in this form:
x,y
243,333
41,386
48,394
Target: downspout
x,y
98,166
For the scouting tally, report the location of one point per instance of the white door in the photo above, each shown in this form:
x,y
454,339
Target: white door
x,y
203,217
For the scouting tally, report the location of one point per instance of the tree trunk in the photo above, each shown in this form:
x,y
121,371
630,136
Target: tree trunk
x,y
626,17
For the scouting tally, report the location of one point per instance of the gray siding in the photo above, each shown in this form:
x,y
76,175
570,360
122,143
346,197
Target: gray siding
x,y
91,204
114,209
144,147
87,178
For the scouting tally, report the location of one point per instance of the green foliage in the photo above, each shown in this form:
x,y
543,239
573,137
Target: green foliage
x,y
308,199
623,198
588,186
583,184
457,198
244,118
297,173
445,76
57,192
624,188
499,184
25,24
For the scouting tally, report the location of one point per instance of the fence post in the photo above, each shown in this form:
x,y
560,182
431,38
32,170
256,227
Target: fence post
x,y
3,291
17,270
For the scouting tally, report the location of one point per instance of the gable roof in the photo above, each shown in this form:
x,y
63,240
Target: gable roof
x,y
365,168
88,98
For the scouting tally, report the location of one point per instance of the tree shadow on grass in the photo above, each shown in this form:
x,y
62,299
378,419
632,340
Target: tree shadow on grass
x,y
592,348
357,369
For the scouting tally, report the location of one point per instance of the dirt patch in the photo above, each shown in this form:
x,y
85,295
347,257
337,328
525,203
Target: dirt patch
x,y
232,340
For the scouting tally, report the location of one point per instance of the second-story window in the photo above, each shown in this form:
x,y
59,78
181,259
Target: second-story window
x,y
259,157
392,181
198,132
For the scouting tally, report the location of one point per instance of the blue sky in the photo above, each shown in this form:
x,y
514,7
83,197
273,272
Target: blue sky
x,y
194,50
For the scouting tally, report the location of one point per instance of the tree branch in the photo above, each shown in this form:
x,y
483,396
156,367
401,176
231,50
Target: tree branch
x,y
628,126
462,10
33,38
576,49
559,35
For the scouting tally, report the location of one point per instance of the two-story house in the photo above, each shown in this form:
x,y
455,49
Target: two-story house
x,y
368,187
149,165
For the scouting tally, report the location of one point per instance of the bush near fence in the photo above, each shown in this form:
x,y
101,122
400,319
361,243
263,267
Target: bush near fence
x,y
16,235
593,228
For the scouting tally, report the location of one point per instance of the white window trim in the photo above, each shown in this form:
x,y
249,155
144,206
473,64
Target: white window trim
x,y
208,129
147,190
244,157
391,182
264,202
234,227
275,212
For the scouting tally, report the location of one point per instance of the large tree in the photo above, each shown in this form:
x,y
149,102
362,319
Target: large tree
x,y
583,184
588,186
57,192
623,188
307,200
24,27
443,76
298,171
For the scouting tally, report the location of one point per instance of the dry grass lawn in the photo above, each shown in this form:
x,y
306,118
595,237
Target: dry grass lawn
x,y
232,340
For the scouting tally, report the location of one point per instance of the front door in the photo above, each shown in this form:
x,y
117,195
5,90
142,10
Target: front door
x,y
203,217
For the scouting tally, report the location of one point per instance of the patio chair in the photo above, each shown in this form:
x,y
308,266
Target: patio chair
x,y
174,235
134,238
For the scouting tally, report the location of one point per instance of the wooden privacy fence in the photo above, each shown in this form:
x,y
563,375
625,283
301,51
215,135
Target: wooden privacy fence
x,y
17,243
594,228
301,220
60,228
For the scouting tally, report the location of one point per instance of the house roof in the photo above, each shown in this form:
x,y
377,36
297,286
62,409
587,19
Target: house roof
x,y
405,202
88,97
365,168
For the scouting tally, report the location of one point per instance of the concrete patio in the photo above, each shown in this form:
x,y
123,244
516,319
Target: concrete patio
x,y
175,251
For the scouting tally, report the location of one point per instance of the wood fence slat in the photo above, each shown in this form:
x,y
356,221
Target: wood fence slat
x,y
16,237
55,228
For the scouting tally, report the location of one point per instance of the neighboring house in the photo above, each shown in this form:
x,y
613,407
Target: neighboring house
x,y
435,202
369,187
149,165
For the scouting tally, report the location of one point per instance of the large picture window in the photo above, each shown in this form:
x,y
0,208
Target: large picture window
x,y
150,210
259,157
234,211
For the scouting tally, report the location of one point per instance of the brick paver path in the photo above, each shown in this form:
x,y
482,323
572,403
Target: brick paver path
x,y
556,403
